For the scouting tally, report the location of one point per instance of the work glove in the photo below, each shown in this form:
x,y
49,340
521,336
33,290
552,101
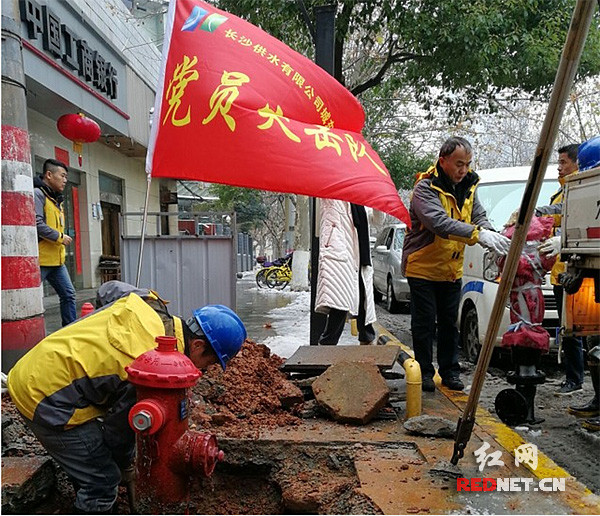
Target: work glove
x,y
572,280
493,241
512,220
550,246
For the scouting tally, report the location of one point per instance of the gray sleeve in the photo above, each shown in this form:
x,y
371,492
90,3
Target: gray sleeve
x,y
479,217
430,212
551,209
43,230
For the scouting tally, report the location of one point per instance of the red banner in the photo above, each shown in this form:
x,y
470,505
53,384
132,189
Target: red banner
x,y
237,106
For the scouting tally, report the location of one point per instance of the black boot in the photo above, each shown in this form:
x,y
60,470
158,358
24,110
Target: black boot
x,y
590,409
592,425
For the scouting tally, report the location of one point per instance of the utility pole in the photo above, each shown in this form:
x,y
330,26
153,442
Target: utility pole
x,y
325,58
301,259
22,299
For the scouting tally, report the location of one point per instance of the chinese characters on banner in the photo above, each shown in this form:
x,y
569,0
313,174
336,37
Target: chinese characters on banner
x,y
236,106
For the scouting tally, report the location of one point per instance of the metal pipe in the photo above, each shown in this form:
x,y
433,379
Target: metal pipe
x,y
580,23
143,235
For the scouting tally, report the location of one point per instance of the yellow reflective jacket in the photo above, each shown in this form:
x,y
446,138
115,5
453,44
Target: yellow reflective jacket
x,y
434,246
78,373
50,222
554,209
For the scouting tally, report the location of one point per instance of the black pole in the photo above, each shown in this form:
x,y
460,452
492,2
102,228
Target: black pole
x,y
324,57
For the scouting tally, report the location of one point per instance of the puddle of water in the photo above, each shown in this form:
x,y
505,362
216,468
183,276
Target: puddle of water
x,y
253,303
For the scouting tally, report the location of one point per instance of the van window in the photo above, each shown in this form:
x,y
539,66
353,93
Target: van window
x,y
388,240
381,238
501,199
399,240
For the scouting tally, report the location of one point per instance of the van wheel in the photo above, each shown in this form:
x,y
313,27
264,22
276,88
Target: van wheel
x,y
469,335
377,296
391,304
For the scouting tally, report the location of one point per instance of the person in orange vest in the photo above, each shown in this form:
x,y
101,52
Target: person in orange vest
x,y
52,239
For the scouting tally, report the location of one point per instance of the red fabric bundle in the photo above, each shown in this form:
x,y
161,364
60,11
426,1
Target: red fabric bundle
x,y
526,298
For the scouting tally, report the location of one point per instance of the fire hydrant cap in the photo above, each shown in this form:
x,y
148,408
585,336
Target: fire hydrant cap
x,y
163,367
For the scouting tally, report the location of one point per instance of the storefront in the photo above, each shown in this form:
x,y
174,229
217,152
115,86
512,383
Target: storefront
x,y
76,60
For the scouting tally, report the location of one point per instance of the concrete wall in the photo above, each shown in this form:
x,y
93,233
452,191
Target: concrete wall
x,y
118,26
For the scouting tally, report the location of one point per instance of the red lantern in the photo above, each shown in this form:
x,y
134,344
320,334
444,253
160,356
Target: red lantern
x,y
79,129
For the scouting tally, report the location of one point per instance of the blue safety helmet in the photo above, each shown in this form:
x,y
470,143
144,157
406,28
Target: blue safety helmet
x,y
588,154
223,329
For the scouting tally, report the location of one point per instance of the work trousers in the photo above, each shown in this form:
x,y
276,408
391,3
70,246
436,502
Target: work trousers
x,y
572,347
59,279
432,301
336,319
85,458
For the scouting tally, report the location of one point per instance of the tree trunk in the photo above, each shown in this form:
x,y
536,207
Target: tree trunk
x,y
301,245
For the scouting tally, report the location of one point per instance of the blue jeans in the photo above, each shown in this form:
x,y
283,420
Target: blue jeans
x,y
85,458
58,277
431,302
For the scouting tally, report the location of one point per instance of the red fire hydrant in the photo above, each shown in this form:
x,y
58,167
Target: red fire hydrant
x,y
167,451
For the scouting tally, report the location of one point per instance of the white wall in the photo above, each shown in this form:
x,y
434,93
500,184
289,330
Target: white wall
x,y
96,157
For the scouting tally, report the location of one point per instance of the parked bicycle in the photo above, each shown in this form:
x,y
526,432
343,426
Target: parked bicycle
x,y
276,274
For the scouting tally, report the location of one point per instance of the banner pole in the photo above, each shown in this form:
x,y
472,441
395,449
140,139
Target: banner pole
x,y
143,235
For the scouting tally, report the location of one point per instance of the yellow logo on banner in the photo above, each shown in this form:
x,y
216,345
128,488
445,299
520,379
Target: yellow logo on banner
x,y
182,75
224,96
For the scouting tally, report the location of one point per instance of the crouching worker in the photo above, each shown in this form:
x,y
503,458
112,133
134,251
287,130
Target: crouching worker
x,y
73,392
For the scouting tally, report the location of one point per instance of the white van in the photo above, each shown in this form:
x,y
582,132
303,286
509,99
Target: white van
x,y
500,191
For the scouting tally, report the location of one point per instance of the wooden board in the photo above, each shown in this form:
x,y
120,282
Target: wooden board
x,y
319,358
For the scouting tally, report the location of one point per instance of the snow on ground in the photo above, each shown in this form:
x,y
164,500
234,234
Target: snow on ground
x,y
291,323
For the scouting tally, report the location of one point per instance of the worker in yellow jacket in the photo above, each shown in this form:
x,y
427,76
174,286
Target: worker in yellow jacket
x,y
572,347
445,215
73,392
52,239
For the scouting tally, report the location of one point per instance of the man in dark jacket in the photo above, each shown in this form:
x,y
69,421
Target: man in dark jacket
x,y
446,215
50,223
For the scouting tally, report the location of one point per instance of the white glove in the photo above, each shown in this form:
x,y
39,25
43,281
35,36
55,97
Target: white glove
x,y
550,247
493,241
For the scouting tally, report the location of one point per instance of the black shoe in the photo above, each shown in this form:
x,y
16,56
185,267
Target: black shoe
x,y
593,425
427,384
590,409
453,383
568,388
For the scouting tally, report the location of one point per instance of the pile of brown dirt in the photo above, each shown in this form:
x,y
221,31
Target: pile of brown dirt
x,y
250,394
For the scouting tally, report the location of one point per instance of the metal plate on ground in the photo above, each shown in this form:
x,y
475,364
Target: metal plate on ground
x,y
319,358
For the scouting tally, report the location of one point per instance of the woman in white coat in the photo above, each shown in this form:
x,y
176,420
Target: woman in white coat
x,y
345,277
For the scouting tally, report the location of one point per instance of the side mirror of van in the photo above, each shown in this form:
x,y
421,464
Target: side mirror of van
x,y
381,249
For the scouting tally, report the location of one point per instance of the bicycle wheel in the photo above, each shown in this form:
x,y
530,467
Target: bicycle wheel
x,y
274,279
260,277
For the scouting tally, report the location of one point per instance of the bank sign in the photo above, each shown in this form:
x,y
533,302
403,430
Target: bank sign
x,y
61,42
